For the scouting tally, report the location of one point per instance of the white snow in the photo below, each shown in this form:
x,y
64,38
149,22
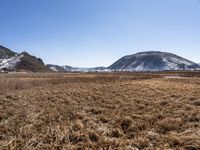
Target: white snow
x,y
11,62
54,68
140,68
173,77
170,65
180,61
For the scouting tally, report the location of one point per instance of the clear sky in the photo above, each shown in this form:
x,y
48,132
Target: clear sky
x,y
98,32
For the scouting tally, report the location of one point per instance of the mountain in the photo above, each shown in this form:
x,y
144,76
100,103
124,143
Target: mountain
x,y
6,53
12,61
153,61
56,68
66,68
31,63
143,61
84,69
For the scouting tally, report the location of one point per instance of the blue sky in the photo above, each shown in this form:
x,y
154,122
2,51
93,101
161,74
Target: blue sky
x,y
98,32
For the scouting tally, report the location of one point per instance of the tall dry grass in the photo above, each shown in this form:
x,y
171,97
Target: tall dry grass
x,y
99,111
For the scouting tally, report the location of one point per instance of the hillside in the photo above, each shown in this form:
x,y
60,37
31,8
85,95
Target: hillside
x,y
153,61
31,63
6,53
12,61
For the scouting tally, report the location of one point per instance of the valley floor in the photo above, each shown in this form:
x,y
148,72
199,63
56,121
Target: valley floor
x,y
99,111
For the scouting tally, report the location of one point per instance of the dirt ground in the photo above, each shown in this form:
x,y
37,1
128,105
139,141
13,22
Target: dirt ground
x,y
99,111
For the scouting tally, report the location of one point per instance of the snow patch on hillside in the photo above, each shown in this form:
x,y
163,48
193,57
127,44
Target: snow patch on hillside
x,y
10,63
170,65
181,61
54,68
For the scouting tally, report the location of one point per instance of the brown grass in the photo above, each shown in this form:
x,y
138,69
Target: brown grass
x,y
99,111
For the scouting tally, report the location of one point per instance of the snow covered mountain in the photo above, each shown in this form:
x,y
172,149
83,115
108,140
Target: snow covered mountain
x,y
57,68
143,61
84,69
153,61
11,61
66,68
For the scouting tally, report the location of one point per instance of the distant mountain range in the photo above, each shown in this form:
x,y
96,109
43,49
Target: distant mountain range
x,y
57,68
141,62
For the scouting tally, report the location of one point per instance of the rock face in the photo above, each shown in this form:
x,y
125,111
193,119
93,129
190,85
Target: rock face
x,y
31,63
11,61
153,61
6,53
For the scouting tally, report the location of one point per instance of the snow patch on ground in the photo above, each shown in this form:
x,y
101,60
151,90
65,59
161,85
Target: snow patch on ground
x,y
173,77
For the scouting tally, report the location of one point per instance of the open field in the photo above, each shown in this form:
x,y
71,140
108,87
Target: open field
x,y
126,111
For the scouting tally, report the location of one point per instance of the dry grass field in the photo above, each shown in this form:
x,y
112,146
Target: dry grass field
x,y
100,111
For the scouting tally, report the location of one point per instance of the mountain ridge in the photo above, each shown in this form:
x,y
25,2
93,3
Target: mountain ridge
x,y
153,61
12,61
139,62
6,53
66,68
